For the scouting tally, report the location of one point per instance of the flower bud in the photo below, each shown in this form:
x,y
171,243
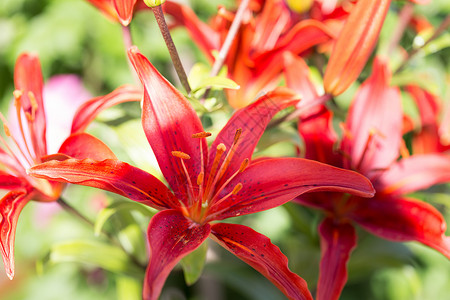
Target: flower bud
x,y
153,3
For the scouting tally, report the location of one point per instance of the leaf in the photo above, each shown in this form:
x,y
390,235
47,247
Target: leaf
x,y
128,288
106,213
94,253
193,264
216,82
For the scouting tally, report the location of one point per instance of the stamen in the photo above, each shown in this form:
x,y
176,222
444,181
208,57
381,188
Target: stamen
x,y
221,148
6,128
34,106
200,178
201,135
237,135
181,155
237,188
244,165
17,95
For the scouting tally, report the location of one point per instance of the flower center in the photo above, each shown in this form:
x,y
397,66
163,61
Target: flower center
x,y
207,191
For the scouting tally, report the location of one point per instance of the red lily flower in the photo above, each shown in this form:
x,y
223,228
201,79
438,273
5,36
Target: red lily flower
x,y
433,135
371,145
119,10
31,133
207,184
254,58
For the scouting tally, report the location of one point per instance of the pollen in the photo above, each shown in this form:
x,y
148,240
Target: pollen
x,y
200,178
221,148
244,165
201,135
181,155
6,128
237,188
237,135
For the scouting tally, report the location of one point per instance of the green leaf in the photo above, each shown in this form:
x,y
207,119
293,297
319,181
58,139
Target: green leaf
x,y
128,288
193,264
216,82
108,257
106,213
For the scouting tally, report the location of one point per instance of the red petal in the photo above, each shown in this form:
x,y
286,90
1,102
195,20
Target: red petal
x,y
124,10
87,112
83,145
403,220
297,76
169,122
253,120
206,38
355,44
427,103
10,182
10,207
319,137
374,123
170,237
110,175
337,242
273,182
414,173
258,251
28,79
105,6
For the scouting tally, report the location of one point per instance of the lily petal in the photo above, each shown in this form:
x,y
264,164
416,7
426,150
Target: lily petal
x,y
337,242
273,182
169,121
83,145
414,173
10,182
110,175
403,220
258,251
87,112
374,122
124,10
28,80
355,44
170,237
253,120
319,137
10,207
106,8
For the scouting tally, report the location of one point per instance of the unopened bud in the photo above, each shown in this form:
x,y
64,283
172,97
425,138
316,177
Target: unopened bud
x,y
153,3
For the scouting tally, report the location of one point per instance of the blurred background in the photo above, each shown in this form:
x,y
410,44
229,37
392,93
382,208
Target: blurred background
x,y
59,257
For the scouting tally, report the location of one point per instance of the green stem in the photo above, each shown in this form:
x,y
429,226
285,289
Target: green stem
x,y
444,25
159,16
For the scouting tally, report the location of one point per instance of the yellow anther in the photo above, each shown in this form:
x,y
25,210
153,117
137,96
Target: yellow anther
x,y
221,148
17,94
6,128
200,178
181,155
201,135
237,135
34,104
244,165
237,188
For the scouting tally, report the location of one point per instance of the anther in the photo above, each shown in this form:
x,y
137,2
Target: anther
x,y
237,135
244,165
237,188
6,128
221,148
17,94
181,155
200,178
201,135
